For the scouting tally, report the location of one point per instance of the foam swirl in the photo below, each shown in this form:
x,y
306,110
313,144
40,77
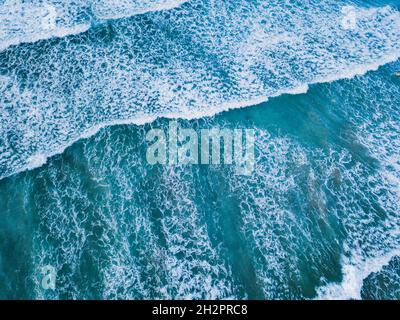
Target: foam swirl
x,y
33,20
200,58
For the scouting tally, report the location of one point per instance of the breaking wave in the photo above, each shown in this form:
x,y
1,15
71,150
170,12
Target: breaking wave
x,y
194,60
34,20
318,218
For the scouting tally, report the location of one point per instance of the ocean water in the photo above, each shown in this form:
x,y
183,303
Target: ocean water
x,y
319,217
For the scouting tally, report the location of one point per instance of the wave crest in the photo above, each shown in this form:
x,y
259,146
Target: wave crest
x,y
33,20
199,59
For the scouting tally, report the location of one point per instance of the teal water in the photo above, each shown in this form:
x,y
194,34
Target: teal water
x,y
324,193
317,219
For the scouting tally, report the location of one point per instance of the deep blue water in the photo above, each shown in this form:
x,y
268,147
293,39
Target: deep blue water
x,y
317,218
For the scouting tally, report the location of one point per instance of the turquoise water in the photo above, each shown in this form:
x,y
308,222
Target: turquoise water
x,y
318,217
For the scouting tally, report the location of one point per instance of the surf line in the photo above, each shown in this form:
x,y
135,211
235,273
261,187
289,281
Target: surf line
x,y
163,310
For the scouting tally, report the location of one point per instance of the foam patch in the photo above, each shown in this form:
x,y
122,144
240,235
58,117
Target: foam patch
x,y
195,60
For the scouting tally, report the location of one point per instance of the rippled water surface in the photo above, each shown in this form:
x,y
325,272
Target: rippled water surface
x,y
318,218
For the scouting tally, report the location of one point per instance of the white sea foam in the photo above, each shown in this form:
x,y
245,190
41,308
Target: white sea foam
x,y
111,9
380,134
138,256
362,200
7,40
193,61
31,21
302,208
354,274
284,238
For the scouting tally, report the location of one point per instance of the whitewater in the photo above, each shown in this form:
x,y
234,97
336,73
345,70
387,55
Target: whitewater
x,y
96,64
227,55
